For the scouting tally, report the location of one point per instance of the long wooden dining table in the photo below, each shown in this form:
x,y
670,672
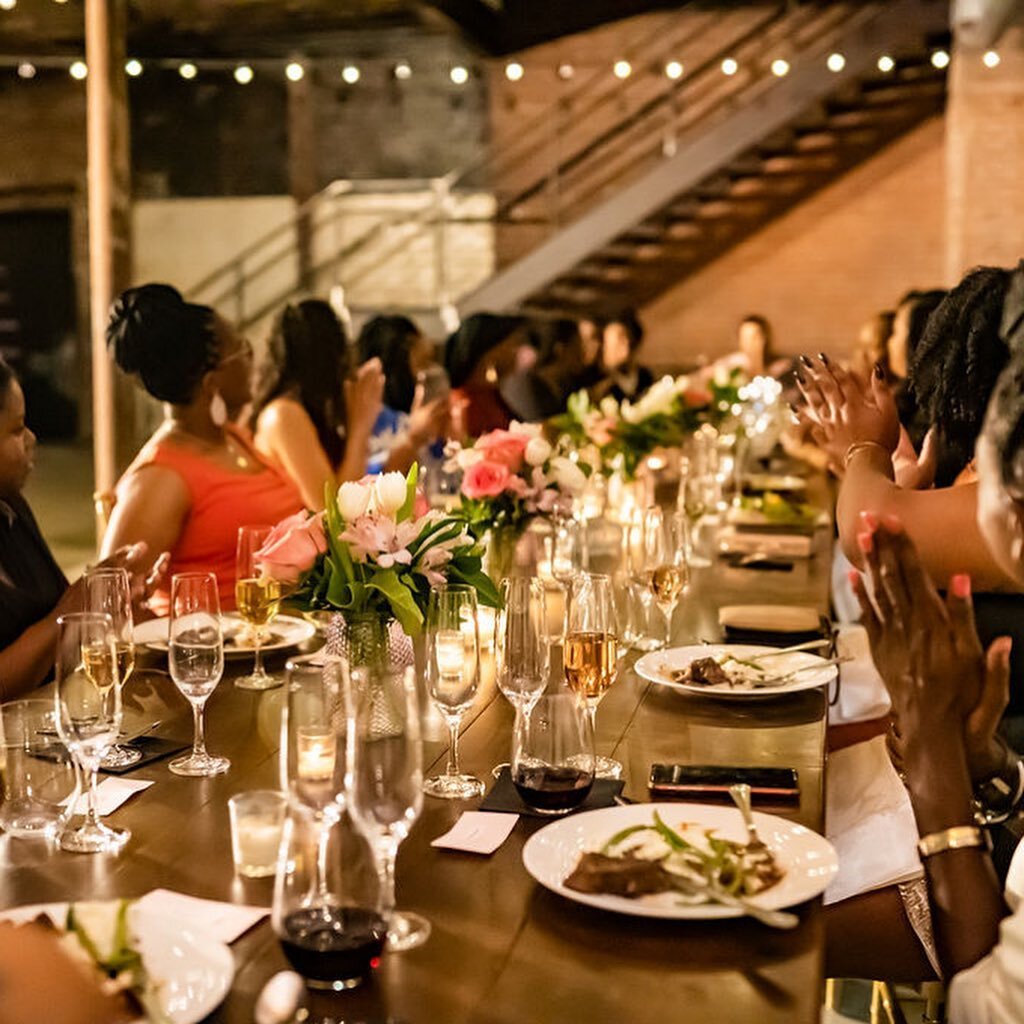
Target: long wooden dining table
x,y
503,949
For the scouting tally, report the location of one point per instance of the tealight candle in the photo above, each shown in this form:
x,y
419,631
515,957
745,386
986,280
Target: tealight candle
x,y
316,751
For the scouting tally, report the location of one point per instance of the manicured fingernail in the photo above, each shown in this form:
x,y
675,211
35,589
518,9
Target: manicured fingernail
x,y
865,542
893,523
805,361
879,372
823,358
960,584
869,519
854,577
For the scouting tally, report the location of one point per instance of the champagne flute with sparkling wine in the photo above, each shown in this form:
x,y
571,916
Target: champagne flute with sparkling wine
x,y
108,591
453,675
88,716
664,562
257,598
589,657
196,660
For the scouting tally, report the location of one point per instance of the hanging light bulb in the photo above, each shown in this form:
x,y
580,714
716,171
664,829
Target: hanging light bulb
x,y
78,70
243,74
566,71
780,67
188,71
26,70
940,59
886,64
350,74
622,69
294,71
674,70
459,75
7,5
990,59
514,71
403,71
729,66
133,68
836,62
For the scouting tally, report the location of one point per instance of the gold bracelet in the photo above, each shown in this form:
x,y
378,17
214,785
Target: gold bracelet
x,y
863,446
955,838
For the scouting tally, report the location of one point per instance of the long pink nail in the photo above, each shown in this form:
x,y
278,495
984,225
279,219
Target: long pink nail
x,y
960,584
870,520
865,542
893,523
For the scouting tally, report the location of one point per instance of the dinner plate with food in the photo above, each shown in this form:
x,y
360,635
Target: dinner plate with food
x,y
739,671
284,633
681,861
162,972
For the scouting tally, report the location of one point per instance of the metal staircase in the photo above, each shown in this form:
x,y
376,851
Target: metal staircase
x,y
620,189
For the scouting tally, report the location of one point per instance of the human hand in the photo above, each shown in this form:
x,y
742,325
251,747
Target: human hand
x,y
428,420
912,471
845,410
364,394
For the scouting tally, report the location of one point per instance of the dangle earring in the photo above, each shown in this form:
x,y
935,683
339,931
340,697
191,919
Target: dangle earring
x,y
218,410
491,374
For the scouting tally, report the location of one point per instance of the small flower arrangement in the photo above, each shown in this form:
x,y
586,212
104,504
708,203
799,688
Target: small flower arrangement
x,y
375,549
671,409
510,475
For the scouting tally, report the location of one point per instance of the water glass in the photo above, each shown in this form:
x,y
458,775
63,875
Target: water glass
x,y
257,598
196,661
386,790
38,779
453,675
565,548
87,715
256,818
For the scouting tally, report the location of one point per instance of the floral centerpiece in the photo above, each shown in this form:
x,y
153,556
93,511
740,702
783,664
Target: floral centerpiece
x,y
376,550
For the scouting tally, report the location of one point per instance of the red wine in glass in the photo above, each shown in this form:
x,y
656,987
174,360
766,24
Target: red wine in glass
x,y
333,947
552,789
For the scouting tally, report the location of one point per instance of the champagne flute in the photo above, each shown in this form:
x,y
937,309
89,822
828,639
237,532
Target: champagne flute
x,y
196,660
453,675
638,555
88,716
522,650
565,548
664,563
590,661
257,598
386,790
108,591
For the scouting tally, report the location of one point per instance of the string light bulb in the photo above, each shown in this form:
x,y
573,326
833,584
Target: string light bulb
x,y
294,71
729,66
674,70
350,74
835,63
566,71
403,71
133,68
780,67
940,59
78,70
26,70
459,75
886,63
243,74
990,59
188,71
622,69
7,5
514,71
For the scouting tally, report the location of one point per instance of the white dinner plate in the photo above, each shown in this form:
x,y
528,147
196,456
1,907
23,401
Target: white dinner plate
x,y
286,631
809,860
656,665
192,973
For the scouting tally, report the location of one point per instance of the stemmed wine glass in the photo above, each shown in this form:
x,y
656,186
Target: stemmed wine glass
x,y
257,598
108,591
589,658
664,563
88,716
637,554
453,675
196,660
565,548
522,650
386,782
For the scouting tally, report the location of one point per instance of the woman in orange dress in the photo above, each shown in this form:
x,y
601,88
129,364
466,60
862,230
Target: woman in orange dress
x,y
198,478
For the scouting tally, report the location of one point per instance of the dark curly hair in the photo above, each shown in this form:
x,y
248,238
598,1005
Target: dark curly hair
x,y
166,342
308,359
957,362
390,339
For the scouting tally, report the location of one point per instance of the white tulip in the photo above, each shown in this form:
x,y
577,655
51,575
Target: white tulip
x,y
390,490
537,451
353,499
569,476
525,429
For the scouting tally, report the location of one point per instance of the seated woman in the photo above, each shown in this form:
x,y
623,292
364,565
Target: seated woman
x,y
624,376
308,416
477,356
198,478
33,590
871,349
408,421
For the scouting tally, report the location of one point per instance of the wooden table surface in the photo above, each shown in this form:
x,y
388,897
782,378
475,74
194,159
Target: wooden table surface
x,y
503,949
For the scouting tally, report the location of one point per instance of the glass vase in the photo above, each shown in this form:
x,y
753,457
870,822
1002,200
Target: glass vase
x,y
369,640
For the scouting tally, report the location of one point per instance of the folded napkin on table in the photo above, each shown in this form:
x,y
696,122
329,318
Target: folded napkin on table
x,y
224,922
504,797
784,545
869,821
862,694
110,794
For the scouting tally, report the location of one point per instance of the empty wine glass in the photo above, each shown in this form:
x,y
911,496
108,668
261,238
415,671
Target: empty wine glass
x,y
196,661
257,598
664,563
553,754
108,591
88,716
386,788
565,545
642,526
453,675
590,655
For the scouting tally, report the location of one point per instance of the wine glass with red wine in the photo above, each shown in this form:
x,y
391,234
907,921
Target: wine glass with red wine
x,y
553,754
332,943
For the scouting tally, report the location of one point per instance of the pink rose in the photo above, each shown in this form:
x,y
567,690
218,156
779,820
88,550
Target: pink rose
x,y
696,398
292,547
485,479
504,447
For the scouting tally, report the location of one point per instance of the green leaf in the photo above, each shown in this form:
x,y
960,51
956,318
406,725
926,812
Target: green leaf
x,y
624,834
486,592
399,598
405,512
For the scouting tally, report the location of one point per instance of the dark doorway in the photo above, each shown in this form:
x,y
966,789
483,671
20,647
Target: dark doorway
x,y
37,317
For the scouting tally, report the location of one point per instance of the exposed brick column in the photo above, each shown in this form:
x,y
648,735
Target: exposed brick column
x,y
985,154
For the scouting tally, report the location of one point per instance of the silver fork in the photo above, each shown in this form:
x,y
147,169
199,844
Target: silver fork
x,y
740,793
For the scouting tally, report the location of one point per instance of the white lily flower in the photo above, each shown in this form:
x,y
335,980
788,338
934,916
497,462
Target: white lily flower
x,y
568,475
353,500
538,451
525,429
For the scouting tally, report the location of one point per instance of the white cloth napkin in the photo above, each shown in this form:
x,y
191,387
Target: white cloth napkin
x,y
110,794
478,832
869,821
224,922
862,694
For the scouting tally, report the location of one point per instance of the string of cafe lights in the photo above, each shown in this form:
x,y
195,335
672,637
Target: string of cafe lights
x,y
351,73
